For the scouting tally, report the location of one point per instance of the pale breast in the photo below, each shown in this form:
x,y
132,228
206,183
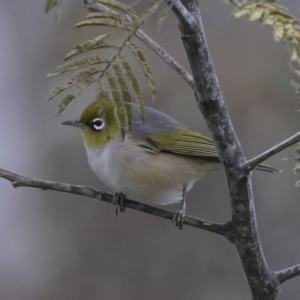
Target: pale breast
x,y
155,178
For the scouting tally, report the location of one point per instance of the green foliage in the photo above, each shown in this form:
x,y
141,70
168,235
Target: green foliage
x,y
54,5
163,17
285,29
79,63
145,66
97,43
119,6
67,101
121,82
124,91
120,110
106,21
284,25
135,87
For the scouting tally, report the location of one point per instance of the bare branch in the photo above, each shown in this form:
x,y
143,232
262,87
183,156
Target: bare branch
x,y
288,273
211,102
19,181
254,162
93,6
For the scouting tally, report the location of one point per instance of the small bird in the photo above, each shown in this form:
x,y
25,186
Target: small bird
x,y
157,161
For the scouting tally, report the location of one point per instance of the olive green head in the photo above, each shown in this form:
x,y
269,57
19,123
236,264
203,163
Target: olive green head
x,y
97,123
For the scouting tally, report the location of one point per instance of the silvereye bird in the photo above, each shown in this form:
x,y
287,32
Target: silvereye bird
x,y
156,162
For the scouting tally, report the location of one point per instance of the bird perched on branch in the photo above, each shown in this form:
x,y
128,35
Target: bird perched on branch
x,y
157,161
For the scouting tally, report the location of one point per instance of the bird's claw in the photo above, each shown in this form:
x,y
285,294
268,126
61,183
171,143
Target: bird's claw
x,y
119,202
178,218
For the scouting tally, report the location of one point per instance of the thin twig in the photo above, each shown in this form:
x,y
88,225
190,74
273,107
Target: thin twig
x,y
19,180
254,162
288,273
234,2
92,6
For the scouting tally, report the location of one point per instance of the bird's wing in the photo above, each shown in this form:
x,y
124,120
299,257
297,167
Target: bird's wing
x,y
189,142
161,133
181,141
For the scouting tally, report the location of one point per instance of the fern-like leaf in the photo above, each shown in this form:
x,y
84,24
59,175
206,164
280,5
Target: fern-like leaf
x,y
135,27
107,15
120,108
124,90
54,4
79,63
60,88
135,87
163,17
85,77
138,53
119,6
285,26
104,22
96,43
67,101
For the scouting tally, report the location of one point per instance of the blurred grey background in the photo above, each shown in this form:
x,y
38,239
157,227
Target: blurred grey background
x,y
60,246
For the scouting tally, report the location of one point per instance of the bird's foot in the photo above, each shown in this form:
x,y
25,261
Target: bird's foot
x,y
119,202
178,218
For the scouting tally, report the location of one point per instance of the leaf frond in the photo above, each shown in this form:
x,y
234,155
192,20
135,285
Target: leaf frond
x,y
135,27
104,22
82,76
139,55
284,25
79,63
66,102
135,87
107,15
163,17
124,90
120,108
96,43
54,5
122,82
85,76
119,6
60,88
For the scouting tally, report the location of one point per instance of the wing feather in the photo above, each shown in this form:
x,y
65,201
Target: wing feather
x,y
161,133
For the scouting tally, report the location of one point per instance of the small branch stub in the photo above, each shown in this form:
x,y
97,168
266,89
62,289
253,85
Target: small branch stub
x,y
288,273
254,162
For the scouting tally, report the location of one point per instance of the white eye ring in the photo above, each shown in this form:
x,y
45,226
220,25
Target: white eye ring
x,y
98,124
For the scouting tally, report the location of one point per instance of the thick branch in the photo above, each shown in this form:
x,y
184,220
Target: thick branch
x,y
210,100
19,180
93,6
254,162
287,274
183,14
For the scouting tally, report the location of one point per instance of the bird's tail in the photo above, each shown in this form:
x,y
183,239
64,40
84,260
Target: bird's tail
x,y
266,168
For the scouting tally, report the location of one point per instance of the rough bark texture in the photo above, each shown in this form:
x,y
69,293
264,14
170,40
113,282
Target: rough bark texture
x,y
261,279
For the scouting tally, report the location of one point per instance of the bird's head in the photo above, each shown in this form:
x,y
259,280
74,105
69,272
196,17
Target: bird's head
x,y
97,123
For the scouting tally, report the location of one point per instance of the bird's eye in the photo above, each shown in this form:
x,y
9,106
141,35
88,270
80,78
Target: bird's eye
x,y
98,124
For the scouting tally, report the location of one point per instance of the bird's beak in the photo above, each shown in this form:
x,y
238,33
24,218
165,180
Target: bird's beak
x,y
74,122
